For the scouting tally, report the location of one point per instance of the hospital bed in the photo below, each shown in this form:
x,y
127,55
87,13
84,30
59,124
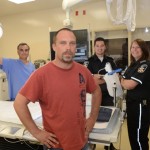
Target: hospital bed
x,y
12,128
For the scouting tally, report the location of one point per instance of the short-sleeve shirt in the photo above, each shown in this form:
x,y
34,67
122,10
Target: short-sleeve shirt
x,y
140,72
62,96
17,73
95,65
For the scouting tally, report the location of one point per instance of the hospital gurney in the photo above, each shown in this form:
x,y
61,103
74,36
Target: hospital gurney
x,y
105,132
12,128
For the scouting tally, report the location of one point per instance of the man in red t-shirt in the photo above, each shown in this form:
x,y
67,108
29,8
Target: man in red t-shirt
x,y
60,87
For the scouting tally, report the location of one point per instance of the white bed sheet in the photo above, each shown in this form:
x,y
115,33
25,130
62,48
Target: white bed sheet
x,y
8,114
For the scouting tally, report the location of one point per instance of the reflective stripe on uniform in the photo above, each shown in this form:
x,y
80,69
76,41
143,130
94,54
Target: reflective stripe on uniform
x,y
138,131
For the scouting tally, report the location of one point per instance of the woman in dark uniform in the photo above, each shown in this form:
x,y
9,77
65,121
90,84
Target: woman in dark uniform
x,y
136,80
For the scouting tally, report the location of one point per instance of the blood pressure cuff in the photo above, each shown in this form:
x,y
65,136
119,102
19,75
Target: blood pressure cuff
x,y
104,114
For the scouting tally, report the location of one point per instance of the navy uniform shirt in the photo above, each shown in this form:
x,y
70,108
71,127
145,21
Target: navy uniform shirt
x,y
95,65
140,72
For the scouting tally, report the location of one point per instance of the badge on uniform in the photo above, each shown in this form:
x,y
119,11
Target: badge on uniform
x,y
142,68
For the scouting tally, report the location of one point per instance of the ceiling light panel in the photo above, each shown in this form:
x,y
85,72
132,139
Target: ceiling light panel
x,y
21,1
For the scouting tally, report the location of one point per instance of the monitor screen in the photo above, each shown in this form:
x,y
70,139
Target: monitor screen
x,y
82,49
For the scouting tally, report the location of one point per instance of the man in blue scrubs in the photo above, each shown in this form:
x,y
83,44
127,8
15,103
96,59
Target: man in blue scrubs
x,y
17,70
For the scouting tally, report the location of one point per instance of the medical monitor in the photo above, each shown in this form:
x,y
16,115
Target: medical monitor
x,y
82,50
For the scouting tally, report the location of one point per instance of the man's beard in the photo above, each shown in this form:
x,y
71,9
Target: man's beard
x,y
67,57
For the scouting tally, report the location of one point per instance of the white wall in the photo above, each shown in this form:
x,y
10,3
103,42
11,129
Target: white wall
x,y
34,27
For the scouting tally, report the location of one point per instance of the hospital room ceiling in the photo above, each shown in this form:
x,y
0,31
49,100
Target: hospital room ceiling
x,y
8,8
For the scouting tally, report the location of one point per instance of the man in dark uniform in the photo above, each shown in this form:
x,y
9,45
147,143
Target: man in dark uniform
x,y
96,65
136,80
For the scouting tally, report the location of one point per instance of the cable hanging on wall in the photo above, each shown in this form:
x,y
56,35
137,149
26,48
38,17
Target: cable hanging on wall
x,y
128,19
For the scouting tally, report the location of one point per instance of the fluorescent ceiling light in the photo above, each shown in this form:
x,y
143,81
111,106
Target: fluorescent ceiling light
x,y
20,1
146,29
1,30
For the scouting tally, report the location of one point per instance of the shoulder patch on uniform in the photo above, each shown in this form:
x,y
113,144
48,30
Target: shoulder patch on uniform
x,y
142,68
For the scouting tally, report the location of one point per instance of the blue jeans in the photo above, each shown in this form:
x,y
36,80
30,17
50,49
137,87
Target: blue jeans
x,y
45,148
